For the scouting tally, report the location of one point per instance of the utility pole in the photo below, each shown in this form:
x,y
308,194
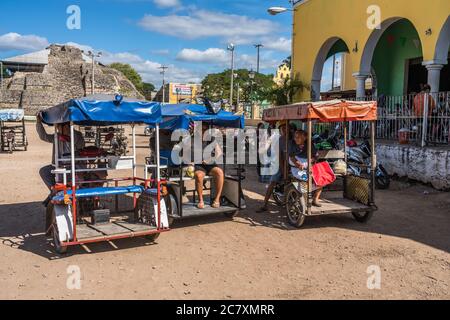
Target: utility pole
x,y
163,72
93,55
1,78
258,48
333,72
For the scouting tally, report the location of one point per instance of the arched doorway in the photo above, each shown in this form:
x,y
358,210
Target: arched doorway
x,y
329,53
394,54
442,56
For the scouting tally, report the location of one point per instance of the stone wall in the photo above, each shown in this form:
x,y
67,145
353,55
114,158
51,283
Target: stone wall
x,y
67,76
428,165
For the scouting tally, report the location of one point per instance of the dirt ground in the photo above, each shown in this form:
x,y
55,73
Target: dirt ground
x,y
255,256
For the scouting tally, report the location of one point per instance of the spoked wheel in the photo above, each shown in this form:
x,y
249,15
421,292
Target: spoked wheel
x,y
295,207
362,217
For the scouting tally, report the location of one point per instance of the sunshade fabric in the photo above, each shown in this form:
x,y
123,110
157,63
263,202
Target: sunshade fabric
x,y
90,111
179,116
326,111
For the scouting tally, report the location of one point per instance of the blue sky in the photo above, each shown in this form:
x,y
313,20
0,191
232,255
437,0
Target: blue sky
x,y
188,35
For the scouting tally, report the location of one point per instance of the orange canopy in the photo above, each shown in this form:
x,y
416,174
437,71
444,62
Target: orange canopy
x,y
324,111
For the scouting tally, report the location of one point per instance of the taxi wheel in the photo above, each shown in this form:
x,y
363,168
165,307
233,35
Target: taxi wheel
x,y
152,237
295,207
231,215
362,217
59,248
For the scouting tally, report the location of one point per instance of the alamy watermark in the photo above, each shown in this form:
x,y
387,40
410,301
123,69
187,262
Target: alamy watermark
x,y
73,22
230,146
374,19
73,281
374,279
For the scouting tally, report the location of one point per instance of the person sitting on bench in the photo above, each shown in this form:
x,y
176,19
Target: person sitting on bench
x,y
211,169
298,160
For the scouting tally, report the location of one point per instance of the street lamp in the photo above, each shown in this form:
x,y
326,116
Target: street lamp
x,y
277,10
231,48
93,55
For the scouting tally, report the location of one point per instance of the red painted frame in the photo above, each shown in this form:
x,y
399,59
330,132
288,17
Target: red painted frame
x,y
159,229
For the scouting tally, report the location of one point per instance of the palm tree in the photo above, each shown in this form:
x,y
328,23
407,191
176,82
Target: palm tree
x,y
284,94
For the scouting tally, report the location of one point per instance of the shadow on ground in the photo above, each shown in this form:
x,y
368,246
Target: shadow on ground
x,y
415,214
22,227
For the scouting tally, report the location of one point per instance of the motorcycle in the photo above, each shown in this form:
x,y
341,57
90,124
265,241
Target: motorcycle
x,y
361,155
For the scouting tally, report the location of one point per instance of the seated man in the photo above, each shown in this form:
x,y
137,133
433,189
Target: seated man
x,y
210,169
298,159
63,132
279,177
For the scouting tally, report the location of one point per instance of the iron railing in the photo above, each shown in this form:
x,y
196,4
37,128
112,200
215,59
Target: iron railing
x,y
422,118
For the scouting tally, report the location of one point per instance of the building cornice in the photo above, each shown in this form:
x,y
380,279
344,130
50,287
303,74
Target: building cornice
x,y
298,3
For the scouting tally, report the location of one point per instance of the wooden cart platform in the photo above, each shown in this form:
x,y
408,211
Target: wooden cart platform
x,y
339,205
89,232
190,210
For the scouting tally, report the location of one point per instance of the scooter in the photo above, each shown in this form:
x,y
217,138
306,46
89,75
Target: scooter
x,y
360,155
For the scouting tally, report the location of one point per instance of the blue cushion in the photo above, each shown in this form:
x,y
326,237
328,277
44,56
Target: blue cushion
x,y
101,191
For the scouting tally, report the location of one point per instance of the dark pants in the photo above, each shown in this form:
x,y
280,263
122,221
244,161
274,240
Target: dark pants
x,y
47,176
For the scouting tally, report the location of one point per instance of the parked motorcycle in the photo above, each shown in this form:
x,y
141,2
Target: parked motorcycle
x,y
360,156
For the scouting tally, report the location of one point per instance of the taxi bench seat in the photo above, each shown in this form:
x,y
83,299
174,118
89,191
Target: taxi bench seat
x,y
105,191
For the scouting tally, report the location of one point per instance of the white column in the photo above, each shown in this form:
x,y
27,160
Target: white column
x,y
315,90
360,84
434,74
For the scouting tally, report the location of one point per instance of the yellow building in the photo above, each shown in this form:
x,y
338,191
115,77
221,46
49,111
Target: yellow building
x,y
397,44
283,72
179,93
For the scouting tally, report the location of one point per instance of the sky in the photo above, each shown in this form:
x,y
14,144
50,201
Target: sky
x,y
189,36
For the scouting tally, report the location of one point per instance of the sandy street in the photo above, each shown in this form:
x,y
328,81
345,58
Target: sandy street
x,y
255,256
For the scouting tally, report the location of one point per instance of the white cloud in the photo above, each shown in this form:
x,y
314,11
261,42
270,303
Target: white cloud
x,y
149,70
280,44
221,58
167,3
14,41
211,55
203,23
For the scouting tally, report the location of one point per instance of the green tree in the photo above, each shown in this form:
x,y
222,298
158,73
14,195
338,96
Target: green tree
x,y
284,94
217,85
131,74
147,89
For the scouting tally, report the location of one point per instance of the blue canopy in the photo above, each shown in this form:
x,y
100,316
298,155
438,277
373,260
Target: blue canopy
x,y
103,112
179,116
